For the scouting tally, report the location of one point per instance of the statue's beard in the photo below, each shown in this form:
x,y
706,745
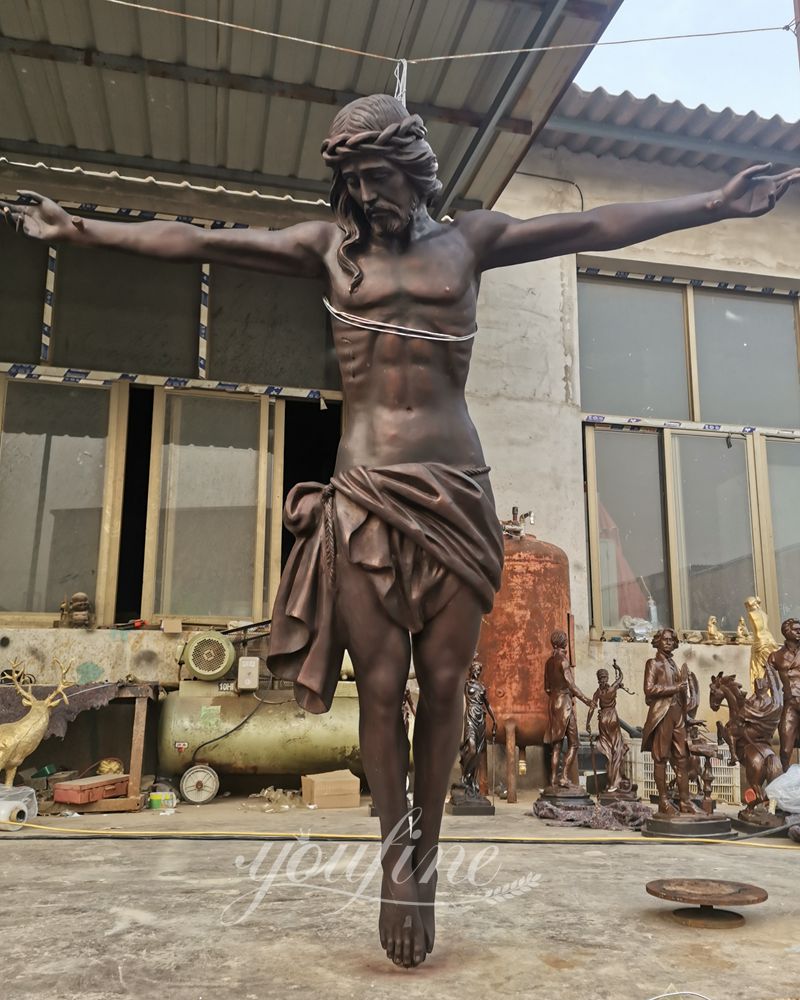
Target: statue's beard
x,y
389,221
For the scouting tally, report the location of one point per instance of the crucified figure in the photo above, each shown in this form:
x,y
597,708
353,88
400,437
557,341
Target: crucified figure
x,y
402,551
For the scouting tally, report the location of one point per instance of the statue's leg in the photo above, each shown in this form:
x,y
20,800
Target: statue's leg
x,y
443,651
572,750
787,730
662,742
555,758
381,655
681,763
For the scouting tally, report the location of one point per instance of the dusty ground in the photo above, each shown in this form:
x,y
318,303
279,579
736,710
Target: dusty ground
x,y
183,920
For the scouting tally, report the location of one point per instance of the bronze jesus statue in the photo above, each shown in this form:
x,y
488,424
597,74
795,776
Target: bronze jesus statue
x,y
401,552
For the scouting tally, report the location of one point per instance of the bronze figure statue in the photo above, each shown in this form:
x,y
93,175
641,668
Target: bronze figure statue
x,y
668,695
402,550
610,741
559,683
786,662
466,797
474,743
748,733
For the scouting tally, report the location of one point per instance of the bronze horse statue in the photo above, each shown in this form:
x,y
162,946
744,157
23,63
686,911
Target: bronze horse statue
x,y
750,728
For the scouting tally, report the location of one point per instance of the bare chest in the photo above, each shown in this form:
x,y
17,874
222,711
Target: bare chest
x,y
434,277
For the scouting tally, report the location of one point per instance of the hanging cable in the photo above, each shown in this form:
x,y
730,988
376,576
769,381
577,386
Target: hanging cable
x,y
791,26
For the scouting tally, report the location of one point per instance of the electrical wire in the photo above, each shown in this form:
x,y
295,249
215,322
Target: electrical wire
x,y
86,834
216,739
791,26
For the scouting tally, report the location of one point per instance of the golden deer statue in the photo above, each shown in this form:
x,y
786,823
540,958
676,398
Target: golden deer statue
x,y
19,739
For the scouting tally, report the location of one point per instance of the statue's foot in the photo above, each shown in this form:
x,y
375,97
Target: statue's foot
x,y
689,808
563,783
666,808
400,925
426,891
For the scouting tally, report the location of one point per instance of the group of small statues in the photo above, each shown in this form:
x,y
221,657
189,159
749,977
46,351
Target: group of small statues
x,y
672,732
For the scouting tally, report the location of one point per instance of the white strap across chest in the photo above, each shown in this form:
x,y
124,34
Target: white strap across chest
x,y
379,326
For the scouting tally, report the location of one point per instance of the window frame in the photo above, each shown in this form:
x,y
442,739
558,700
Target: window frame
x,y
272,402
110,518
755,441
269,500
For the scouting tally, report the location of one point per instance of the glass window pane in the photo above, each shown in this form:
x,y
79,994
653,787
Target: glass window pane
x,y
783,458
270,330
715,548
631,530
747,360
208,507
23,269
52,468
122,313
632,350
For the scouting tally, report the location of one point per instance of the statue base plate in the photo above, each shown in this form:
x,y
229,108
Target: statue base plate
x,y
571,797
460,804
609,798
760,821
689,825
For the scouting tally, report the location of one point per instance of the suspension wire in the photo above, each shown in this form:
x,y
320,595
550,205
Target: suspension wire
x,y
403,63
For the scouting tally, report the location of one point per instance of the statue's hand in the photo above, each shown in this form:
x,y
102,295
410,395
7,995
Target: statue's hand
x,y
42,219
754,192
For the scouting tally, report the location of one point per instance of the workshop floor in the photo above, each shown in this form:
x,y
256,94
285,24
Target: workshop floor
x,y
183,919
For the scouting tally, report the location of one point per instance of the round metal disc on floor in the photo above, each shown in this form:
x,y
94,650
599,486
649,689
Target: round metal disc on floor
x,y
705,894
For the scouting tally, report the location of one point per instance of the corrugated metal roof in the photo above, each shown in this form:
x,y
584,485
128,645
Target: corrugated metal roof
x,y
650,129
94,82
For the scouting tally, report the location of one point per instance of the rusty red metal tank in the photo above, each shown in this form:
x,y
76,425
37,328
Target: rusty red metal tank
x,y
514,644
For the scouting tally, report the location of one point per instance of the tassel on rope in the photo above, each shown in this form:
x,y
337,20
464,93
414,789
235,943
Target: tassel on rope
x,y
401,76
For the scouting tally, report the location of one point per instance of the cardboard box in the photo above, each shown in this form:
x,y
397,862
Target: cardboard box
x,y
332,790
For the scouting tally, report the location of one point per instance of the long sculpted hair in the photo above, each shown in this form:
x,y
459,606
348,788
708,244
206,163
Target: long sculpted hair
x,y
378,125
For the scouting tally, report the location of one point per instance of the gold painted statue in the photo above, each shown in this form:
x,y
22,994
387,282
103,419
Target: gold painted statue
x,y
743,636
714,633
763,640
19,739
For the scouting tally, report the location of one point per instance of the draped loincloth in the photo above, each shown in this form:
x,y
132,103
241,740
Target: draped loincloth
x,y
418,531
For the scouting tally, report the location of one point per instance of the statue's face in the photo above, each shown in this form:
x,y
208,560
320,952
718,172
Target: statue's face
x,y
602,677
383,192
667,642
794,631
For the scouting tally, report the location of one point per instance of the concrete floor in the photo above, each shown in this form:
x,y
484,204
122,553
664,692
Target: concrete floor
x,y
144,919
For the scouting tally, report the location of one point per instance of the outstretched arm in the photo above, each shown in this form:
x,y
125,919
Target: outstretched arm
x,y
297,250
499,240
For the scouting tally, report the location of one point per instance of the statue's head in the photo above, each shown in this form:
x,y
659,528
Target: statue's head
x,y
665,640
558,639
752,603
791,629
383,171
602,677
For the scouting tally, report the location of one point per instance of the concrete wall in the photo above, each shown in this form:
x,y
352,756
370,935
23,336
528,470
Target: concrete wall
x,y
524,392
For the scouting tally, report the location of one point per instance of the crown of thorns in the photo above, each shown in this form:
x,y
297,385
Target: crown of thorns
x,y
396,137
